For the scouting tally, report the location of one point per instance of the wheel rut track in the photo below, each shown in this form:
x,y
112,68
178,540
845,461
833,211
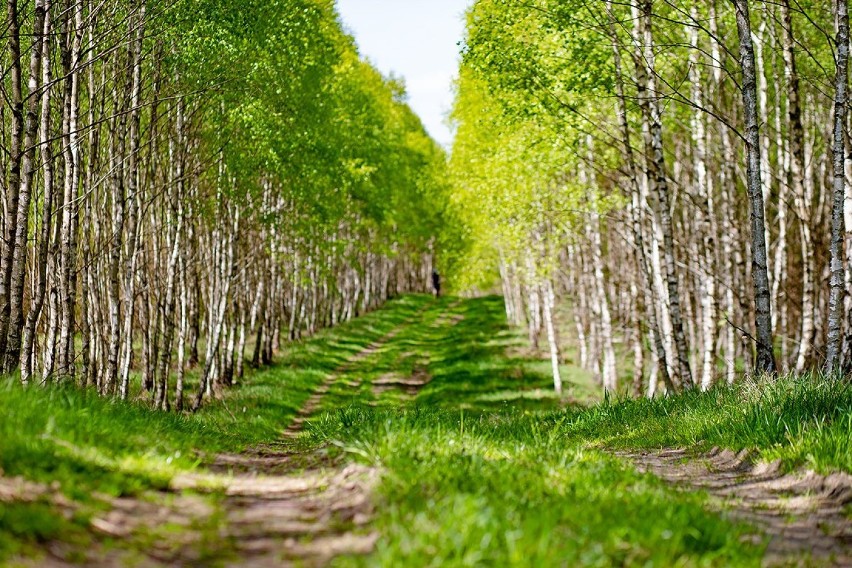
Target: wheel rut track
x,y
309,518
802,514
313,403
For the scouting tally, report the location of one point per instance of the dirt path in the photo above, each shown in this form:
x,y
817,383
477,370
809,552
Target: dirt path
x,y
408,386
281,520
263,520
803,514
275,518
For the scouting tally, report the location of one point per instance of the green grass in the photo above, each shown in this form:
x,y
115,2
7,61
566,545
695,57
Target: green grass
x,y
89,445
505,491
23,524
485,466
803,420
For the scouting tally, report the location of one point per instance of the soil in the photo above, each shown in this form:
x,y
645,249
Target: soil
x,y
303,519
804,515
409,386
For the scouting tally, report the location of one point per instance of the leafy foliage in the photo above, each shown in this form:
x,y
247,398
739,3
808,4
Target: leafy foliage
x,y
530,80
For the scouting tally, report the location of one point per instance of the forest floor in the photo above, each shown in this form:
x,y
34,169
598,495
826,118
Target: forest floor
x,y
424,435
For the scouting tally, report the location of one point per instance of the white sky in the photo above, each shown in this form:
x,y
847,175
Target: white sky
x,y
417,40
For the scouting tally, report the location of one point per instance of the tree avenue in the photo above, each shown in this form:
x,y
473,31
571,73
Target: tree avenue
x,y
674,172
186,185
221,226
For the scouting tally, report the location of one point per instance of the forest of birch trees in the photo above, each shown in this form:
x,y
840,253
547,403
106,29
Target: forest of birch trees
x,y
187,185
674,172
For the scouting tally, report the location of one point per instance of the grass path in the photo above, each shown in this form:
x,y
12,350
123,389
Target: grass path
x,y
305,516
99,482
483,466
313,403
425,435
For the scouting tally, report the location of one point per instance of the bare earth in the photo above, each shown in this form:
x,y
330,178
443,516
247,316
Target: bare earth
x,y
409,386
803,514
278,520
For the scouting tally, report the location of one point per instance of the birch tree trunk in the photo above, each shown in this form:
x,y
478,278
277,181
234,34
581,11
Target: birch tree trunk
x,y
841,81
175,231
609,376
705,205
779,282
636,208
796,182
182,333
548,304
68,285
25,191
27,353
217,318
136,26
13,185
757,39
765,360
657,175
117,163
534,304
727,187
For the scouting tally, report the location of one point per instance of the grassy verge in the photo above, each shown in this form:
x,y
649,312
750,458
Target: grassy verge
x,y
803,421
506,491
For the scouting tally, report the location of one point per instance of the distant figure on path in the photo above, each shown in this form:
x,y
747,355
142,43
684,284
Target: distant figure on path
x,y
436,283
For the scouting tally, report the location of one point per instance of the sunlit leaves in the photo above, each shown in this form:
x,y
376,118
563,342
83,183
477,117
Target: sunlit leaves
x,y
523,113
290,105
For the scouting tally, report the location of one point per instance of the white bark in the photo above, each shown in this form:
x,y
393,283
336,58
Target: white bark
x,y
548,303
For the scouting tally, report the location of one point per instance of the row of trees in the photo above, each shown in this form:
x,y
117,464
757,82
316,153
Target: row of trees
x,y
677,169
193,183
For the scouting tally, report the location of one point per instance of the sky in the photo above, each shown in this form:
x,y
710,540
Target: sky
x,y
416,40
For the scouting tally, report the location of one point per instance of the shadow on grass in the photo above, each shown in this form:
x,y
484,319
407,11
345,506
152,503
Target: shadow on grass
x,y
254,410
462,346
479,468
92,447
